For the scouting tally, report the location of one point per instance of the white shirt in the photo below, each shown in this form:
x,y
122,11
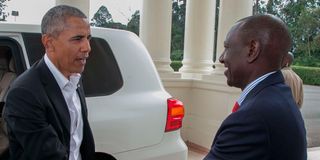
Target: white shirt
x,y
68,89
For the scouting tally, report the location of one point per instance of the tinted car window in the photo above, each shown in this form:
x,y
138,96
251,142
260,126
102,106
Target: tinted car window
x,y
101,76
11,47
34,47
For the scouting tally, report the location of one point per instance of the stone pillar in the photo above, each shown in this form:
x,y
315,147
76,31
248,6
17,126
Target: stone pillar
x,y
83,5
199,38
230,12
155,32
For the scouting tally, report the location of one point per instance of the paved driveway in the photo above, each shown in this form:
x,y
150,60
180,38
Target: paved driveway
x,y
311,114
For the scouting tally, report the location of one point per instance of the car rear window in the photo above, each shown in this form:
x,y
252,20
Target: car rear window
x,y
101,76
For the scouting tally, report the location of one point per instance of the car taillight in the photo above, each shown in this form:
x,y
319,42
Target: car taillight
x,y
175,114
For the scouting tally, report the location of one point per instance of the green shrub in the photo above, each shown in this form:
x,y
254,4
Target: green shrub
x,y
307,61
309,75
176,65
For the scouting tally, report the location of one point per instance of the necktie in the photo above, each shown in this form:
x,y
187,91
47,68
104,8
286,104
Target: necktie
x,y
235,107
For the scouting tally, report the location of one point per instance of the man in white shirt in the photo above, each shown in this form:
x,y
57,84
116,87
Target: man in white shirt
x,y
46,111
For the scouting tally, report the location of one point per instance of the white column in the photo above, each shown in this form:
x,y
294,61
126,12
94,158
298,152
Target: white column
x,y
155,32
199,38
230,12
83,5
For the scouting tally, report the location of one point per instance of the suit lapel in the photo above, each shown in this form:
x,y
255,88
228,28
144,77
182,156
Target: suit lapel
x,y
87,146
82,100
55,95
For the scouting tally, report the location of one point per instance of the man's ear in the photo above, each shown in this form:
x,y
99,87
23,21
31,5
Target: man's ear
x,y
47,42
254,50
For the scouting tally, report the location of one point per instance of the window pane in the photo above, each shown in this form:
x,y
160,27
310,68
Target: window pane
x,y
101,75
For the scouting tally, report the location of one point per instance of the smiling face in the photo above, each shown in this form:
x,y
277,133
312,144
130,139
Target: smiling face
x,y
254,46
234,59
69,50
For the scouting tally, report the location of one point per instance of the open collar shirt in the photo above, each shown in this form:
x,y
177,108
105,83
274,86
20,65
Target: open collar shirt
x,y
69,91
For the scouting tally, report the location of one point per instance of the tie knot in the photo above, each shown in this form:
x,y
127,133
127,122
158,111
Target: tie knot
x,y
235,107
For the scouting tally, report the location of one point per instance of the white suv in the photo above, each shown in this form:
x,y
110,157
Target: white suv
x,y
131,115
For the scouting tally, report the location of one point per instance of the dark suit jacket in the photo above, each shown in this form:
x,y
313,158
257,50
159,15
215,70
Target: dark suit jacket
x,y
38,119
268,126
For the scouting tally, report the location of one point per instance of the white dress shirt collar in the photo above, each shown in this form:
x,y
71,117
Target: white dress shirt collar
x,y
60,78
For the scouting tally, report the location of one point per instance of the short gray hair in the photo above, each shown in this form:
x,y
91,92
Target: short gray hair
x,y
53,22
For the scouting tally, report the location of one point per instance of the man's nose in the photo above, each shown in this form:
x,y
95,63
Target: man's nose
x,y
86,46
221,58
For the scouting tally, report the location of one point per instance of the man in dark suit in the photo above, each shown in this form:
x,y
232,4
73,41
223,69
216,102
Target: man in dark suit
x,y
266,123
46,111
